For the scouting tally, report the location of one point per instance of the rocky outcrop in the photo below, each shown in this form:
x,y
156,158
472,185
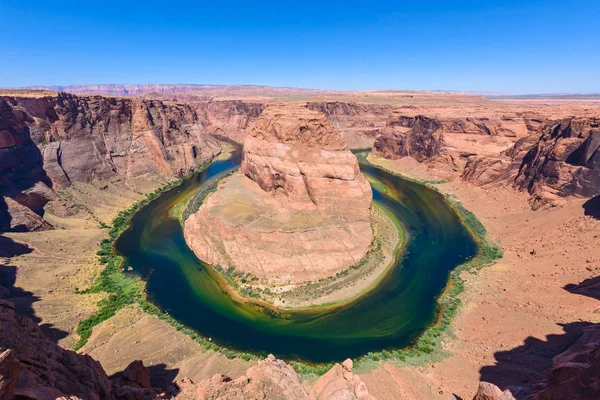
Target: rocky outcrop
x,y
298,153
417,137
274,379
575,373
489,391
48,371
10,368
49,141
340,382
270,379
299,210
564,161
359,123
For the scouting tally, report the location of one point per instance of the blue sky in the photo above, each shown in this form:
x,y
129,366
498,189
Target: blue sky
x,y
508,46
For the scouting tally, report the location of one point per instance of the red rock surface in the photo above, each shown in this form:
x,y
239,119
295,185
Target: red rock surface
x,y
51,140
565,160
48,371
300,210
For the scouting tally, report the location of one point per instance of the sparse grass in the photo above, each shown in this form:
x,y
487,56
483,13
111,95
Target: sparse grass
x,y
427,348
123,290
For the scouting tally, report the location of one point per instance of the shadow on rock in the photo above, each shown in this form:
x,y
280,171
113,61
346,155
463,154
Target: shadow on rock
x,y
521,369
592,207
139,380
23,302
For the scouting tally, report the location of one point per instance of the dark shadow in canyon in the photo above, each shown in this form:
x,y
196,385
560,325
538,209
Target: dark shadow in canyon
x,y
10,248
592,207
160,377
21,167
23,302
520,369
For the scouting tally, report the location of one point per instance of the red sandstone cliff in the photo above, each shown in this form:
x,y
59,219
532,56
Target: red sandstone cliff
x,y
49,141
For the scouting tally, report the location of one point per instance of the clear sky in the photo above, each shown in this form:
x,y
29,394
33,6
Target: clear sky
x,y
508,46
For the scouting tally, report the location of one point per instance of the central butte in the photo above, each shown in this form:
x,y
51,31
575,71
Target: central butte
x,y
298,211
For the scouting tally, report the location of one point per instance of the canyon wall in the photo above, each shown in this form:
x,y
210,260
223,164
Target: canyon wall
x,y
50,141
565,160
358,123
550,159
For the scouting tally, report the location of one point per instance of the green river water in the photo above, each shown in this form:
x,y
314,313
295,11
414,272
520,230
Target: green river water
x,y
391,316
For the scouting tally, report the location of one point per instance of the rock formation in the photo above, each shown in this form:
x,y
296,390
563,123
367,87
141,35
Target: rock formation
x,y
359,123
300,209
47,371
489,391
229,118
50,140
340,383
575,373
274,379
418,137
565,160
553,159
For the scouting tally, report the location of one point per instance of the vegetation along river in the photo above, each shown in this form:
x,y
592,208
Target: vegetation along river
x,y
390,317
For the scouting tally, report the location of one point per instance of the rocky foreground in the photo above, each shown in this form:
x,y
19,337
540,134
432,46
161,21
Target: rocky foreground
x,y
34,367
299,210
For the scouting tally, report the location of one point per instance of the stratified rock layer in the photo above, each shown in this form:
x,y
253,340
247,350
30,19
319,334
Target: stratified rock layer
x,y
565,160
51,140
418,137
300,209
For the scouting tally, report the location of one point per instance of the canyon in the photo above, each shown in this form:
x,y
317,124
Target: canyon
x,y
528,169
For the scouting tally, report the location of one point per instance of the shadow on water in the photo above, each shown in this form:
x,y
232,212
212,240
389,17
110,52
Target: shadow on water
x,y
22,299
592,207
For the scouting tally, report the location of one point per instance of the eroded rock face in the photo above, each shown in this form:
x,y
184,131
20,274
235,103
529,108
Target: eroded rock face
x,y
299,210
228,118
340,383
49,141
358,123
298,153
48,371
417,137
489,391
565,160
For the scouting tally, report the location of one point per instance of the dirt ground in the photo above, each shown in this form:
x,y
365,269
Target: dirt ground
x,y
517,314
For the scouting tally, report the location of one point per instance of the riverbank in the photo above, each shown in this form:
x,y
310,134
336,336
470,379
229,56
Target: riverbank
x,y
341,290
508,326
